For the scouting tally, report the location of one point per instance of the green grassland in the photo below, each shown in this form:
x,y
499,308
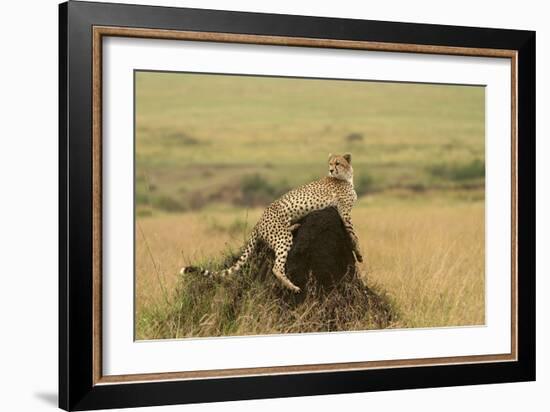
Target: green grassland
x,y
202,137
213,150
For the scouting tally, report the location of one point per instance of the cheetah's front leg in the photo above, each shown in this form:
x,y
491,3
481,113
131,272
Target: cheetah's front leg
x,y
281,248
346,218
354,241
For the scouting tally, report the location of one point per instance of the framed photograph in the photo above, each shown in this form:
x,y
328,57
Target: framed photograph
x,y
256,205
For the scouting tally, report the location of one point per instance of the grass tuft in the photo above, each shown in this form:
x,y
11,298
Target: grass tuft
x,y
250,305
459,172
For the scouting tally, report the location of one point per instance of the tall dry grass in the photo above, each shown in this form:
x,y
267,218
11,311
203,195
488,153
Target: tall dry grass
x,y
424,268
429,259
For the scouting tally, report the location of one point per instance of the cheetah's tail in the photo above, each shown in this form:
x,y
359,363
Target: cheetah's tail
x,y
250,246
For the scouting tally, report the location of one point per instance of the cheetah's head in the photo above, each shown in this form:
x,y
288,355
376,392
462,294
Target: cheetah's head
x,y
339,167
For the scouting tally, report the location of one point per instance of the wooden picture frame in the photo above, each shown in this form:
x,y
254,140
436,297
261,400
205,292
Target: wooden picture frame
x,y
82,28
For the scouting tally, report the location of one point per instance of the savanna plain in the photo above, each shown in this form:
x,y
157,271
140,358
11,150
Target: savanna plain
x,y
213,150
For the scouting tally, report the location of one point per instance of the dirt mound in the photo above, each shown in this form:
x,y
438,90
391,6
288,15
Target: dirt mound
x,y
321,256
333,296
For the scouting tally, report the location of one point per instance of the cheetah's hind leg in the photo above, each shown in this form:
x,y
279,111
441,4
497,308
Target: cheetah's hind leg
x,y
281,248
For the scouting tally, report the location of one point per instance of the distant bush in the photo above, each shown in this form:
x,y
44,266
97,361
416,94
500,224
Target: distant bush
x,y
256,190
354,137
143,211
142,198
167,204
459,172
364,184
178,138
417,187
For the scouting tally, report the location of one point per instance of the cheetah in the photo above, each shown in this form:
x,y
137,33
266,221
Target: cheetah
x,y
278,221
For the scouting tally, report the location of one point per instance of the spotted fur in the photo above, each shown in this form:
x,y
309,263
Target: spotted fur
x,y
279,219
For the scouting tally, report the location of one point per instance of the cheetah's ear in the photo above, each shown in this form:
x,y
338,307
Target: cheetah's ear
x,y
329,156
347,156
